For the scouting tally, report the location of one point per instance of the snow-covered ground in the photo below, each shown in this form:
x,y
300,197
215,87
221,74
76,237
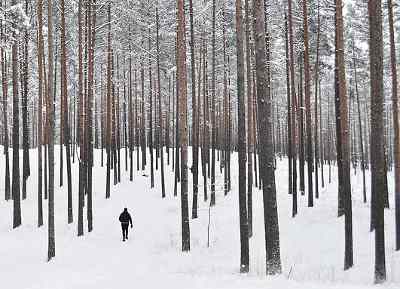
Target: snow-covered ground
x,y
312,244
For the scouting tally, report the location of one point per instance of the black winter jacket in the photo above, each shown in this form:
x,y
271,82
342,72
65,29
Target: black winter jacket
x,y
125,218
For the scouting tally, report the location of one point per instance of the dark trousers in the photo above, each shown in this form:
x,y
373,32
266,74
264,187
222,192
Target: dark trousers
x,y
124,230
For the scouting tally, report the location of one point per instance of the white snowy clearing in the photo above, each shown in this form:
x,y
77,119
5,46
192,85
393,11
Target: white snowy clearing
x,y
312,244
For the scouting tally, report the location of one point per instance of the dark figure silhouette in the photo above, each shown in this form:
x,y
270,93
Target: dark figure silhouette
x,y
125,219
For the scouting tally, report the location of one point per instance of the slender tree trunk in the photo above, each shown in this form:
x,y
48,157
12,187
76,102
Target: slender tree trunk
x,y
213,108
89,125
132,121
6,135
64,97
322,144
377,134
244,229
160,142
300,122
46,128
40,109
109,111
226,107
16,191
50,113
316,141
182,80
307,96
151,121
289,119
195,148
271,225
249,121
396,128
344,136
82,173
25,129
205,148
293,112
167,122
177,138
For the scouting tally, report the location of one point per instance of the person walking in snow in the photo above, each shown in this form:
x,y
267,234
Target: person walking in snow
x,y
125,219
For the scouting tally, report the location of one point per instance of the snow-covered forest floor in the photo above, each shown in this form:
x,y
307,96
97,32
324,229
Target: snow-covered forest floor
x,y
312,244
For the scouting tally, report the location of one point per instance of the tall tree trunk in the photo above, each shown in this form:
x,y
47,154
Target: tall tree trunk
x,y
195,148
25,130
82,170
182,80
300,122
109,111
4,81
151,121
40,109
244,230
226,107
344,135
64,97
50,114
132,121
289,120
160,142
377,134
396,128
16,191
205,148
271,225
89,125
307,96
213,108
316,141
167,122
249,122
293,112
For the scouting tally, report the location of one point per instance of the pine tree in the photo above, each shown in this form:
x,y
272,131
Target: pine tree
x,y
307,96
395,108
40,110
377,131
50,115
183,131
343,133
264,102
66,128
16,192
244,230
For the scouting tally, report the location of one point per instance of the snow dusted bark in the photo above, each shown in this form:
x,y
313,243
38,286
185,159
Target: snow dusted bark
x,y
40,110
343,133
249,120
213,108
271,225
50,114
377,134
183,131
307,96
244,230
16,191
293,112
395,108
160,120
25,129
64,100
195,146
